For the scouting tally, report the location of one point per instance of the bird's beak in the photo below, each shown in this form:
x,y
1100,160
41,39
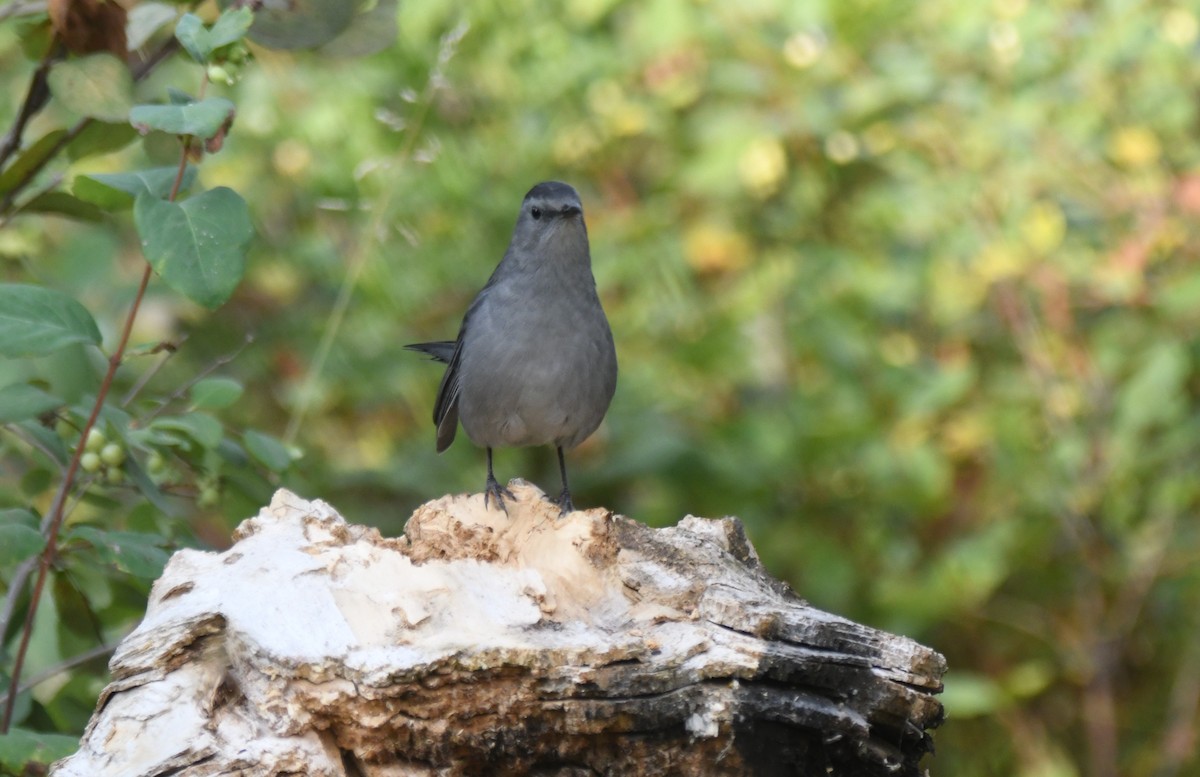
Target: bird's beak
x,y
571,210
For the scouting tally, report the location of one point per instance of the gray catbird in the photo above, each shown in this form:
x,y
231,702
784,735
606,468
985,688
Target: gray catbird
x,y
534,362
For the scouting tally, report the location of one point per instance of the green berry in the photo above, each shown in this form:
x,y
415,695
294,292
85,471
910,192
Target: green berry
x,y
95,440
156,463
65,429
114,476
209,497
90,462
112,454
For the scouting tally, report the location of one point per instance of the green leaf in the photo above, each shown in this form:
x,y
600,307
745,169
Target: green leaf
x,y
75,615
35,321
19,537
371,31
133,552
98,85
230,27
268,450
36,481
21,400
177,96
198,246
972,695
101,138
192,35
19,748
30,159
201,41
202,119
144,20
113,191
1155,393
63,204
148,488
201,427
51,444
18,516
302,24
213,393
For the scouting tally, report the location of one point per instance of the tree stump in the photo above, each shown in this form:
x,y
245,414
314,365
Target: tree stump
x,y
481,643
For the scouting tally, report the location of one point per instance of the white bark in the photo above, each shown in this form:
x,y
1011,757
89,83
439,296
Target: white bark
x,y
481,643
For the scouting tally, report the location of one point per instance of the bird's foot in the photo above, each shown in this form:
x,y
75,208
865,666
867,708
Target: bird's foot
x,y
564,503
498,492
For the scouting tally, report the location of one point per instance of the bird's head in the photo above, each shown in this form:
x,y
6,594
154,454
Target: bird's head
x,y
551,222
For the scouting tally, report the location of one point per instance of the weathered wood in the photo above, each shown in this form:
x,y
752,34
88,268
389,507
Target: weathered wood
x,y
485,644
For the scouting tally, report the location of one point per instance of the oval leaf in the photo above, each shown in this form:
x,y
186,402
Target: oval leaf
x,y
19,539
201,41
213,393
50,444
118,190
201,427
302,24
31,159
372,30
230,27
192,35
268,450
198,246
202,119
21,400
19,748
98,86
145,19
101,138
63,204
133,552
35,321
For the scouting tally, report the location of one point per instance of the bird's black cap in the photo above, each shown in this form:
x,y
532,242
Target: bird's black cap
x,y
552,191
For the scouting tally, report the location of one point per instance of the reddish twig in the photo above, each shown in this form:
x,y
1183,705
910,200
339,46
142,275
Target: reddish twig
x,y
55,516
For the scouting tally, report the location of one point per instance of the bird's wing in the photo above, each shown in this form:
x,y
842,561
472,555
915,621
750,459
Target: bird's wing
x,y
445,410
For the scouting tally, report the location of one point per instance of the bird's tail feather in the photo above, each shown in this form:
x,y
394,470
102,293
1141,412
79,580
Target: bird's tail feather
x,y
441,351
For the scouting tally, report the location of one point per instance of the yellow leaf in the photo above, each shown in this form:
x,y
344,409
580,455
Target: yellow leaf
x,y
762,167
1134,147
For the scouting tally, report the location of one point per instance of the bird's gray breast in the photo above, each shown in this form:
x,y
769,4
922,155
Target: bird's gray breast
x,y
538,364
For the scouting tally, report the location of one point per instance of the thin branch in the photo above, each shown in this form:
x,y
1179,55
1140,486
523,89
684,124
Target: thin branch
x,y
35,99
55,515
6,204
36,444
46,188
54,518
220,361
1179,740
139,73
361,255
70,663
16,586
149,374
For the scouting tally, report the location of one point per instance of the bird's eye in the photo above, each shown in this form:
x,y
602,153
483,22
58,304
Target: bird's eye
x,y
535,212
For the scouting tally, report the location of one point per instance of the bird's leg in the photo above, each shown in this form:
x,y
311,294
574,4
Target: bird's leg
x,y
494,489
564,499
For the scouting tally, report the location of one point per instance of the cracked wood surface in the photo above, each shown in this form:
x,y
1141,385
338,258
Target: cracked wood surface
x,y
480,643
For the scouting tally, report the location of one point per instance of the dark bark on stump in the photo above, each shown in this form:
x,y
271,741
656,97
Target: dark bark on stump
x,y
485,644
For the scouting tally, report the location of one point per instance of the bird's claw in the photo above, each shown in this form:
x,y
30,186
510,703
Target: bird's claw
x,y
564,503
498,492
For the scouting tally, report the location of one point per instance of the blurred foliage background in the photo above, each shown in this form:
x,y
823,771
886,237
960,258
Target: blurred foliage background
x,y
911,288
